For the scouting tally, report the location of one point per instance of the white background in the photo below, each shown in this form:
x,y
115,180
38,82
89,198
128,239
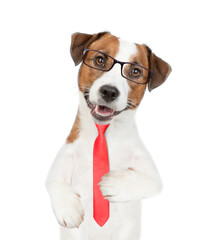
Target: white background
x,y
179,122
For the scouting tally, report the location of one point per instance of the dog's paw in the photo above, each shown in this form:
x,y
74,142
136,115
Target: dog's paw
x,y
119,186
68,210
128,185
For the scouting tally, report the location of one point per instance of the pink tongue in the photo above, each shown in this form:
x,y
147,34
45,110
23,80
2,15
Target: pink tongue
x,y
103,109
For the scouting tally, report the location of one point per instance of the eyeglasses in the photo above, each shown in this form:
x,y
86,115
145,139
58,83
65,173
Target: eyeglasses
x,y
103,62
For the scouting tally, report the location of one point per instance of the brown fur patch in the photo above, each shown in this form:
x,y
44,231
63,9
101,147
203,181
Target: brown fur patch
x,y
108,44
74,133
79,42
137,90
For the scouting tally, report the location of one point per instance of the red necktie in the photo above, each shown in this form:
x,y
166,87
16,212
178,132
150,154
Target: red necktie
x,y
100,168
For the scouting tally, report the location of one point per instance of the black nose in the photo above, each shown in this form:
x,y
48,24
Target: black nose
x,y
109,93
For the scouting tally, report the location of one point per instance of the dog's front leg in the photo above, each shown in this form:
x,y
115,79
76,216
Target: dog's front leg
x,y
133,183
65,201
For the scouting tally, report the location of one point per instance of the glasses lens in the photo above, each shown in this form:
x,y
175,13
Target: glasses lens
x,y
135,72
98,60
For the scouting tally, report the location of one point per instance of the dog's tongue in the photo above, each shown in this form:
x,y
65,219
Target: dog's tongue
x,y
104,110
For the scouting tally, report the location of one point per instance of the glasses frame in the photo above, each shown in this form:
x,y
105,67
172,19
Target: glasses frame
x,y
150,75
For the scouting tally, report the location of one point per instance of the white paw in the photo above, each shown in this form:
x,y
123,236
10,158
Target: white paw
x,y
68,209
127,185
116,186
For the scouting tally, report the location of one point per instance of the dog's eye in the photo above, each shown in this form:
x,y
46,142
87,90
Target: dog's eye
x,y
99,61
135,72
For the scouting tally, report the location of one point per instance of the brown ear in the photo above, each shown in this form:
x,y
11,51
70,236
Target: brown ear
x,y
79,42
160,68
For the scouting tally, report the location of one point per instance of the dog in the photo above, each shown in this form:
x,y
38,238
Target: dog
x,y
112,80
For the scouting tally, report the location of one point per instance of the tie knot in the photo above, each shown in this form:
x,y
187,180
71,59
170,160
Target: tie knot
x,y
102,128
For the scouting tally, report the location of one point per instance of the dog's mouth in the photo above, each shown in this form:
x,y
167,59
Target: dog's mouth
x,y
101,112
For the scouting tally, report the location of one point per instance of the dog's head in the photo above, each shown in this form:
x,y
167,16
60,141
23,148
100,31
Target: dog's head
x,y
114,73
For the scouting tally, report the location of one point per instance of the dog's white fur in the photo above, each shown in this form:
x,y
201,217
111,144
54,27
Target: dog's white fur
x,y
132,177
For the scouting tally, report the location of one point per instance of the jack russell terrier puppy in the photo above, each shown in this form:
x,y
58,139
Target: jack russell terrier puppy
x,y
112,80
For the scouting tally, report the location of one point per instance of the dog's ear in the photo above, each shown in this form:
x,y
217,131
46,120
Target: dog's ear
x,y
160,69
79,42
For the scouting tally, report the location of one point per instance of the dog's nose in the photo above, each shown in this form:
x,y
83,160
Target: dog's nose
x,y
109,93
